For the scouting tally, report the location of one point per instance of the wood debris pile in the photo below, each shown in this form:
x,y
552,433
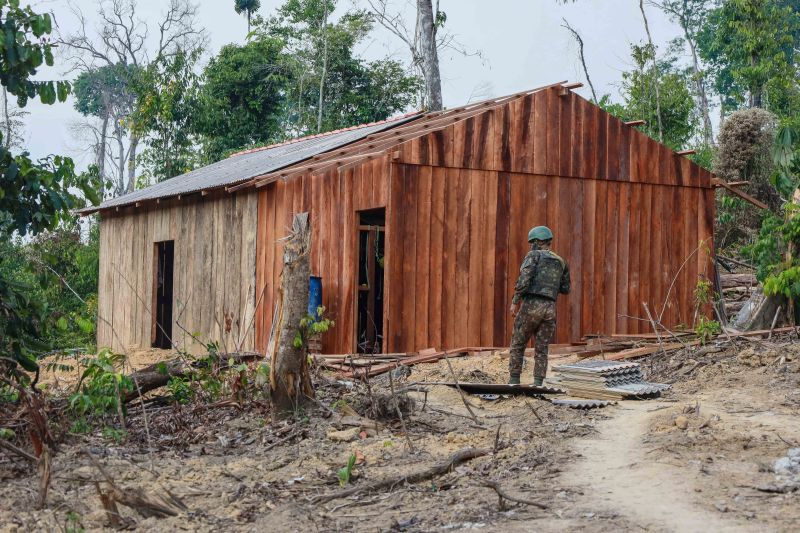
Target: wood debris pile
x,y
736,291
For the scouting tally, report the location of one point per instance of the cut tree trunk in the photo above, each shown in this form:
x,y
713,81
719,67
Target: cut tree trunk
x,y
290,381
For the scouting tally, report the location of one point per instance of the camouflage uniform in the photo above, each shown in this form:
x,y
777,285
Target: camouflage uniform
x,y
542,276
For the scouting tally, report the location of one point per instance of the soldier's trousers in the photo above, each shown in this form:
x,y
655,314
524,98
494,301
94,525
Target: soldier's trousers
x,y
537,316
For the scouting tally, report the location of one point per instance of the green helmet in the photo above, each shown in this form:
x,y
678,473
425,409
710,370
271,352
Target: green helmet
x,y
540,233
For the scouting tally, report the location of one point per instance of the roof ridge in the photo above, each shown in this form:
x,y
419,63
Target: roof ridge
x,y
324,134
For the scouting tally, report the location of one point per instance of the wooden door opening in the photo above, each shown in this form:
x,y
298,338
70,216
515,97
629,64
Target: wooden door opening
x,y
371,247
162,294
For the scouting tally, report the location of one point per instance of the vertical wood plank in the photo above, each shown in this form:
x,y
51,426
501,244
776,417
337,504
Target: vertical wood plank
x,y
437,258
541,125
422,257
450,285
488,251
502,268
409,244
462,236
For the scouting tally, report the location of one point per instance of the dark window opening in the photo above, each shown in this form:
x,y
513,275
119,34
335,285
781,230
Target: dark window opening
x,y
371,248
162,294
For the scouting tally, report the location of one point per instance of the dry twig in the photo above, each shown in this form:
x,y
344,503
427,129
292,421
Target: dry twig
x,y
503,495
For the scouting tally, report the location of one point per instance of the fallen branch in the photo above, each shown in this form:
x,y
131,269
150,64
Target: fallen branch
x,y
22,453
158,375
457,458
503,495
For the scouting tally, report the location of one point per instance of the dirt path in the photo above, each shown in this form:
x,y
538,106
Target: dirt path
x,y
616,475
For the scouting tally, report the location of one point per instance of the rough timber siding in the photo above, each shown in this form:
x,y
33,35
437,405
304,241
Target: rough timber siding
x,y
333,199
213,273
457,246
629,215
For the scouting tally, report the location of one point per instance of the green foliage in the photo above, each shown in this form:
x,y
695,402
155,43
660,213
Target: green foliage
x,y
168,95
24,50
344,473
749,47
323,69
703,292
72,523
102,385
242,97
705,329
34,196
106,89
80,426
180,389
778,271
678,115
115,435
310,326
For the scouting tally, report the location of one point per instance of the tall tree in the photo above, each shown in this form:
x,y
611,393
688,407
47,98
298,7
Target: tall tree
x,y
122,39
167,92
248,7
690,16
750,47
107,93
330,86
429,53
34,196
656,87
425,42
678,116
243,99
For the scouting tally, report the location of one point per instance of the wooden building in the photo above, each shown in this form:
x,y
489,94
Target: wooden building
x,y
419,227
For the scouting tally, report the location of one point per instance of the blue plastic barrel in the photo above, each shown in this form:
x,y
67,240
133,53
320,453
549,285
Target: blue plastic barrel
x,y
314,295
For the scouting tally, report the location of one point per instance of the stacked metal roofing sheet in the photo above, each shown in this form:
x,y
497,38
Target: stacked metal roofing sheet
x,y
606,380
252,163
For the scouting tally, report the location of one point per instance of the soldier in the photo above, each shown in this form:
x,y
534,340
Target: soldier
x,y
542,276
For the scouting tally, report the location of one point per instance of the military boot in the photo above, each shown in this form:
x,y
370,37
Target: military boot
x,y
537,382
513,380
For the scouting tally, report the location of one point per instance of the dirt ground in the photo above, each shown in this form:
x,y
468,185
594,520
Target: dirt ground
x,y
700,458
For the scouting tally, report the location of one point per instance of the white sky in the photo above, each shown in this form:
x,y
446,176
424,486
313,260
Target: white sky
x,y
522,42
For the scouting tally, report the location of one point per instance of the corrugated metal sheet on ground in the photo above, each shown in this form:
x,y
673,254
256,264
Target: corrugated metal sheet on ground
x,y
583,404
242,167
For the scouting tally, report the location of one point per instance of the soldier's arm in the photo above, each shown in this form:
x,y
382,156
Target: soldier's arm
x,y
565,283
526,272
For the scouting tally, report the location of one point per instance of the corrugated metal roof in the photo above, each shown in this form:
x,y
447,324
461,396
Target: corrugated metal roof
x,y
252,163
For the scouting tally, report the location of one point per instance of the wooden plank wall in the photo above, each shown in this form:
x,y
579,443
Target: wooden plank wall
x,y
333,199
213,272
626,210
462,236
548,134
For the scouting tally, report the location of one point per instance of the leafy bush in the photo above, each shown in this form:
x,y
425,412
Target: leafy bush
x,y
102,385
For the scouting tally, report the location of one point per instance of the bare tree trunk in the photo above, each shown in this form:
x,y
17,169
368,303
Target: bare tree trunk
x,y
290,382
582,57
7,118
132,163
324,33
426,44
100,159
655,71
708,132
120,162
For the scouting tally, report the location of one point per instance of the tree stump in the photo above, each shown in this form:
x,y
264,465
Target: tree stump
x,y
290,381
